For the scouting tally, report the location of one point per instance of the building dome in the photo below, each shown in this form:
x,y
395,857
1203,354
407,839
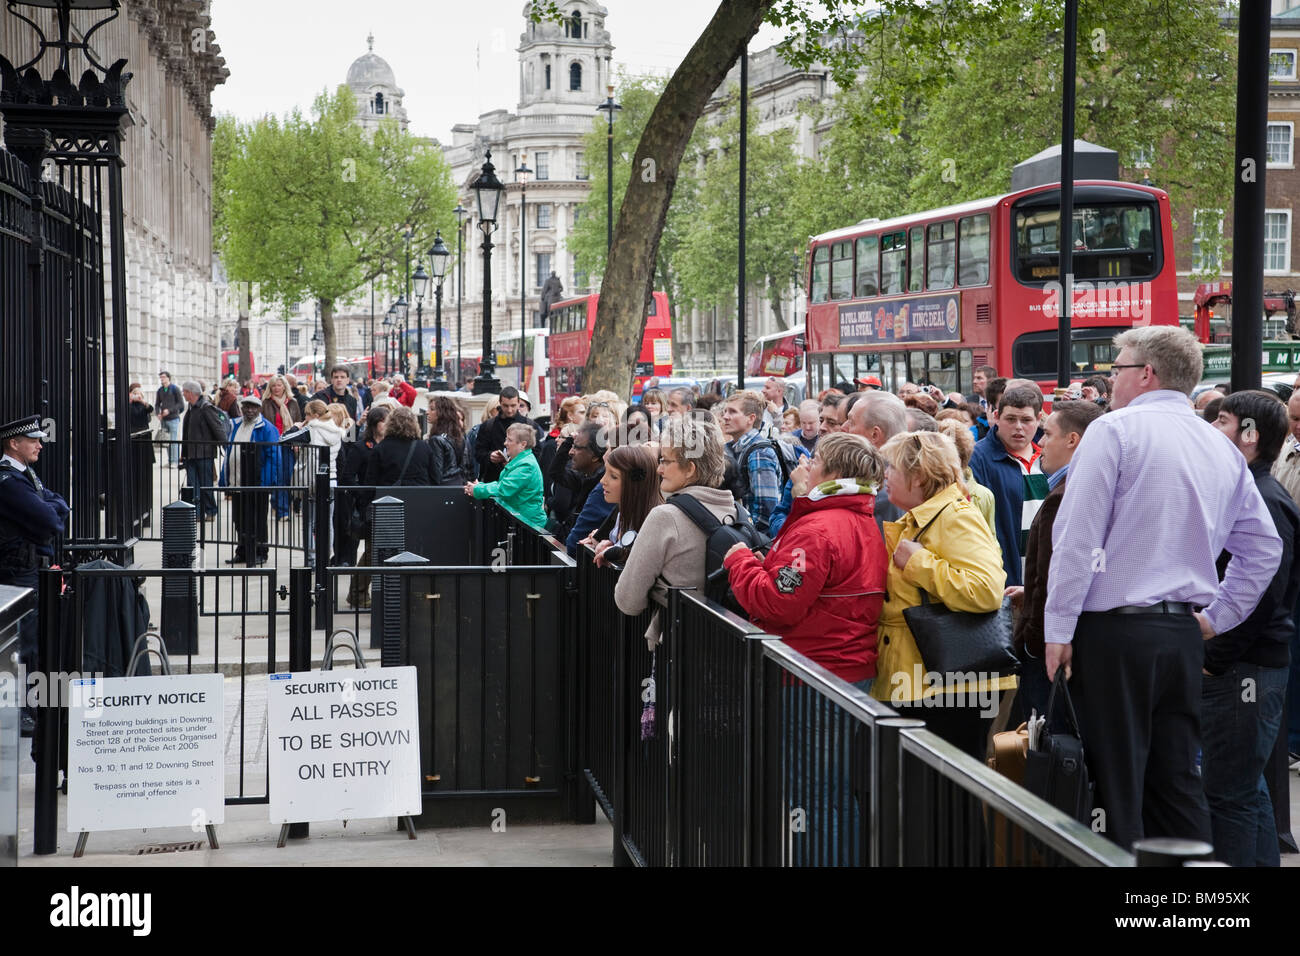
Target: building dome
x,y
369,70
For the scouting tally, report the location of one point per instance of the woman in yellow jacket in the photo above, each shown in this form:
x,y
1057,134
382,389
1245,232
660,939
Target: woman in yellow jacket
x,y
958,563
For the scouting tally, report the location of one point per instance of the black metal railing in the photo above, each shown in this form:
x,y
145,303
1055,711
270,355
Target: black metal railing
x,y
758,756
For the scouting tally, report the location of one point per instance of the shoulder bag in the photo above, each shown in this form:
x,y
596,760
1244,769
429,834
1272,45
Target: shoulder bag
x,y
961,641
1057,770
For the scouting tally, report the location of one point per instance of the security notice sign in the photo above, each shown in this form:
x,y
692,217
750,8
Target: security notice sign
x,y
343,747
146,752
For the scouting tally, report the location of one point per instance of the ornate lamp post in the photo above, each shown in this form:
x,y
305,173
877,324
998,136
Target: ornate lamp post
x,y
460,213
401,311
439,255
421,283
487,194
523,172
390,320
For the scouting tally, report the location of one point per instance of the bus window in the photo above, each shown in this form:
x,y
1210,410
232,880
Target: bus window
x,y
943,370
941,254
893,263
868,282
899,362
821,273
843,369
916,371
964,378
1111,240
916,262
653,307
1033,355
842,270
973,251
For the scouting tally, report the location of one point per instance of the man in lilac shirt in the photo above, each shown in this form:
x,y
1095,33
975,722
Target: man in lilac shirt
x,y
1155,494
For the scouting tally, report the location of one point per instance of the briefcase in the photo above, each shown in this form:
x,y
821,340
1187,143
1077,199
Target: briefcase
x,y
1058,770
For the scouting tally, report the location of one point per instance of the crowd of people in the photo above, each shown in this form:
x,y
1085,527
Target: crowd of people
x,y
1143,546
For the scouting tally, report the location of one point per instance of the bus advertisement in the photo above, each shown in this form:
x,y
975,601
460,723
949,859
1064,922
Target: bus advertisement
x,y
927,297
573,322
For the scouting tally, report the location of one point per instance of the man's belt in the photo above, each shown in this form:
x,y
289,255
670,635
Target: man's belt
x,y
1164,607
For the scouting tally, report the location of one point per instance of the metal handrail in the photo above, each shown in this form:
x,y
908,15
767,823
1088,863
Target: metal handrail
x,y
1058,831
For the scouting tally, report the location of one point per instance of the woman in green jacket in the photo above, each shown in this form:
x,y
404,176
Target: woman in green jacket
x,y
519,489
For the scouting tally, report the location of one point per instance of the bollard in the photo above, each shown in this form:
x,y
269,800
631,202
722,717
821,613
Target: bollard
x,y
300,595
1171,851
394,601
387,538
180,619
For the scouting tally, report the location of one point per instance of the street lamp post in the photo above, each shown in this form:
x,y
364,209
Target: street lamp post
x,y
460,212
438,256
608,107
421,281
487,193
390,320
403,334
523,173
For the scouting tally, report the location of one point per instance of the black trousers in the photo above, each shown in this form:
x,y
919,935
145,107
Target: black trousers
x,y
1137,689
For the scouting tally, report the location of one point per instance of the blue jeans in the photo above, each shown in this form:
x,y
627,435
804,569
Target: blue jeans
x,y
172,426
1241,711
819,784
199,472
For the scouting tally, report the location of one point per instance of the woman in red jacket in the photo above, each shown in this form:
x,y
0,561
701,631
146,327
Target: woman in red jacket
x,y
821,586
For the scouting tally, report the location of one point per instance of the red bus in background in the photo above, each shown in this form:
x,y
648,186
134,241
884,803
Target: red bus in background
x,y
924,298
572,323
779,354
229,368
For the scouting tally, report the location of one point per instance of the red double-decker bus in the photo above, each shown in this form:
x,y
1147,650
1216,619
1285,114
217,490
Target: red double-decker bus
x,y
926,297
572,323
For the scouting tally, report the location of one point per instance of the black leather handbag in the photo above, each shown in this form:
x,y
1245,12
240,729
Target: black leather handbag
x,y
1058,771
952,641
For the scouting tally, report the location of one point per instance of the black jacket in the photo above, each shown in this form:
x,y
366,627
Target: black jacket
x,y
1264,637
570,489
384,467
492,437
330,397
450,464
203,430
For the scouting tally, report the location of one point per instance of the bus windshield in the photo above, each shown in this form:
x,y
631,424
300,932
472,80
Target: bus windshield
x,y
1033,355
1111,240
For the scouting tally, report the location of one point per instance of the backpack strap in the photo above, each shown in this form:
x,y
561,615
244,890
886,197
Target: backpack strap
x,y
780,459
409,452
701,516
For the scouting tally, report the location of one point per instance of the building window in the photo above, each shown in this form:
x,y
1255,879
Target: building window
x,y
544,215
543,267
294,335
579,165
542,165
1207,227
575,76
548,76
573,26
1281,65
1280,139
1277,240
379,103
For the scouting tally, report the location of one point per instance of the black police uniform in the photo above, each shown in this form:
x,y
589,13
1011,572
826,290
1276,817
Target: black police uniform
x,y
31,517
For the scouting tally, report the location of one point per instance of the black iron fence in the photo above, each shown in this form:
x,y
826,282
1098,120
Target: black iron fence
x,y
86,626
730,748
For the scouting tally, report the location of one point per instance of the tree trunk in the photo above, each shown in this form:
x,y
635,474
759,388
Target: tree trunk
x,y
630,271
327,330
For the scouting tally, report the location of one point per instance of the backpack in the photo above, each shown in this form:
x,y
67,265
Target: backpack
x,y
719,538
735,475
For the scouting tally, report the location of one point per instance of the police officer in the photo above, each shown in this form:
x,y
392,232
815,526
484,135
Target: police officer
x,y
31,517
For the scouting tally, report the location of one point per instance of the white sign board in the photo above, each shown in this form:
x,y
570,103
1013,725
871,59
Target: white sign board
x,y
663,351
146,752
343,746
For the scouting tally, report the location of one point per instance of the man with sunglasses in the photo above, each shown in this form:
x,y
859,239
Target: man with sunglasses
x,y
1155,495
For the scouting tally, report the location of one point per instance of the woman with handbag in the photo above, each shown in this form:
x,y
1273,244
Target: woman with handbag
x,y
946,569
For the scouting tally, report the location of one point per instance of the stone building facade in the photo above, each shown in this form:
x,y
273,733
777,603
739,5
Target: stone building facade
x,y
564,69
167,177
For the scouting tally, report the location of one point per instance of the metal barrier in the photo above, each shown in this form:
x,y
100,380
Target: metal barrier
x,y
496,654
242,651
758,756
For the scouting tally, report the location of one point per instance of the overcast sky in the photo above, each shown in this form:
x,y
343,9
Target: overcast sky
x,y
454,60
